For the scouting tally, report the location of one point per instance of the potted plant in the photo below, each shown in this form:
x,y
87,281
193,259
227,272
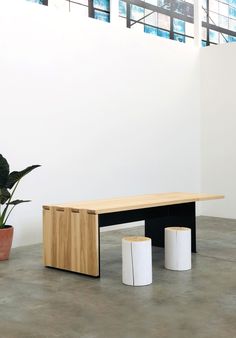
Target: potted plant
x,y
8,183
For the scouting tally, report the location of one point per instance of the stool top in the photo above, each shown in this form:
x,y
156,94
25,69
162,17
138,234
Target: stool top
x,y
178,229
136,238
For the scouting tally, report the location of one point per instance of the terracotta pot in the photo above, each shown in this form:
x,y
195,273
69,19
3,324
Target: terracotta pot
x,y
6,235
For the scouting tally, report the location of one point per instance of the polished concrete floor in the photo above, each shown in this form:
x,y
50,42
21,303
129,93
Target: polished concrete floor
x,y
38,302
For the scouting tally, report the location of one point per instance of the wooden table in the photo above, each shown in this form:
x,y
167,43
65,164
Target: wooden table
x,y
71,231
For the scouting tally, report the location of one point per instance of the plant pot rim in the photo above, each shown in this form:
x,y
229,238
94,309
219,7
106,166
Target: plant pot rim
x,y
6,227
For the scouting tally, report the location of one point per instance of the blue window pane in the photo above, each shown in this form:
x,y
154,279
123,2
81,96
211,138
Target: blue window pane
x,y
232,38
232,12
179,38
179,26
37,1
214,36
232,3
150,30
101,16
122,8
102,4
163,34
224,38
136,12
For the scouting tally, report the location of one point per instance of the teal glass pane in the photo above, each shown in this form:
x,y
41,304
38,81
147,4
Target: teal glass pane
x,y
232,3
101,4
204,44
136,12
179,38
150,30
122,8
214,36
232,38
101,16
163,34
224,38
232,12
179,26
37,1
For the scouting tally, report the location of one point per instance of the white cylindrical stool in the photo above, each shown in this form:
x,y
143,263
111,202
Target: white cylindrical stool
x,y
178,248
136,260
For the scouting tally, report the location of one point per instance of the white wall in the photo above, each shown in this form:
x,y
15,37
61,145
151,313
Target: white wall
x,y
218,74
106,111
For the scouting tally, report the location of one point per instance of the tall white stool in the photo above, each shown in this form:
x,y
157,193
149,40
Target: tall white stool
x,y
178,248
136,260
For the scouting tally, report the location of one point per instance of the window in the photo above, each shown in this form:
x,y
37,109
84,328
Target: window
x,y
171,19
98,9
40,2
219,21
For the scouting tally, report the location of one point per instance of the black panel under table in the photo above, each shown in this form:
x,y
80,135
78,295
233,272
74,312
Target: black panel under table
x,y
156,219
171,215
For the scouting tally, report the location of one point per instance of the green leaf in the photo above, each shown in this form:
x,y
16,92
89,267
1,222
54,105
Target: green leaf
x,y
4,171
18,202
4,195
15,176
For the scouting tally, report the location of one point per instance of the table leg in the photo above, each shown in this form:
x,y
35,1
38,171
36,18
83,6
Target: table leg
x,y
175,215
71,240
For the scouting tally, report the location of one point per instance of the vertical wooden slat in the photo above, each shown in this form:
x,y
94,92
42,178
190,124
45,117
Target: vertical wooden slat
x,y
47,235
84,244
62,232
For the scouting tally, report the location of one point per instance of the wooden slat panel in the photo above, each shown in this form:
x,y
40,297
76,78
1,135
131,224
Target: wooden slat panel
x,y
71,240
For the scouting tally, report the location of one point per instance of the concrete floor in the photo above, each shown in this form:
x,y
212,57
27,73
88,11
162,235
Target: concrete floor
x,y
37,302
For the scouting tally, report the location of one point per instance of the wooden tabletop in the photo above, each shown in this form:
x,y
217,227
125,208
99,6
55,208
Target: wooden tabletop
x,y
137,202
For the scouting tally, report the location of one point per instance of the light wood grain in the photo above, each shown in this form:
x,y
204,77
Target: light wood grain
x,y
71,240
177,229
139,202
48,240
136,238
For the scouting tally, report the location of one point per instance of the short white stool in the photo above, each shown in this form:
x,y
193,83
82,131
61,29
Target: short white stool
x,y
178,248
136,260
